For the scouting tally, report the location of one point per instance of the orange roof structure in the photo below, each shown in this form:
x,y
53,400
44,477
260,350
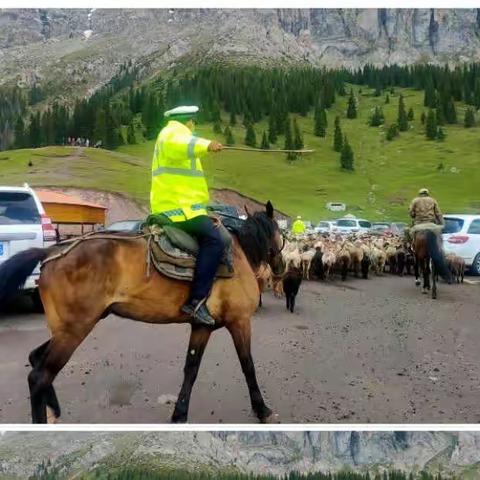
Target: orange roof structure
x,y
62,208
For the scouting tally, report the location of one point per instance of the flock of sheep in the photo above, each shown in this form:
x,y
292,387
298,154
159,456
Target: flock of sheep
x,y
320,257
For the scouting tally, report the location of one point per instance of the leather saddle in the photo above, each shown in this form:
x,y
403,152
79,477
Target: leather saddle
x,y
173,252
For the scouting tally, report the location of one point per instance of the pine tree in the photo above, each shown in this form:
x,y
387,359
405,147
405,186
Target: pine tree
x,y
233,119
377,118
217,128
450,111
320,127
250,137
297,136
410,115
346,156
430,98
131,139
387,99
440,116
402,115
265,145
100,129
431,125
352,108
289,141
272,132
469,120
229,139
392,132
441,134
338,136
423,118
20,141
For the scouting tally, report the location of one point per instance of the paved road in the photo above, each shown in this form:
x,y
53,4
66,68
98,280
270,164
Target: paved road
x,y
363,351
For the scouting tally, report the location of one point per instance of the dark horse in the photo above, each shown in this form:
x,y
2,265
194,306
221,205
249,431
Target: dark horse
x,y
430,259
109,276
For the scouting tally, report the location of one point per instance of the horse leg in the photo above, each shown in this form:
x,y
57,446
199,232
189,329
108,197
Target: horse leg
x,y
426,275
241,335
57,353
199,337
51,399
292,302
434,281
417,271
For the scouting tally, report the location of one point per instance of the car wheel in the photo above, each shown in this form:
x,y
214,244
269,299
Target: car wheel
x,y
37,301
476,265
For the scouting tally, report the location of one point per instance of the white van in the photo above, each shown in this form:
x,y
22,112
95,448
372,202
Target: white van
x,y
23,225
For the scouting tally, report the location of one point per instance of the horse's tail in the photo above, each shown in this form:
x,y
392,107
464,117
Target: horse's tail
x,y
437,256
15,271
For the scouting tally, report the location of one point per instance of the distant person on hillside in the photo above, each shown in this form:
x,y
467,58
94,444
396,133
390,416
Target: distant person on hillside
x,y
424,209
298,227
179,192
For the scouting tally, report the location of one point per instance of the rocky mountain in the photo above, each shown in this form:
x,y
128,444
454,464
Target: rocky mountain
x,y
259,452
78,49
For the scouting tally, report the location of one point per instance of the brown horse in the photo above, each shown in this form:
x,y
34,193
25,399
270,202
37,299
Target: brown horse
x,y
430,259
109,276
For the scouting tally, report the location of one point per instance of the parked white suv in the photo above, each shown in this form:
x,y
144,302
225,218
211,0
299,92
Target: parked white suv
x,y
350,224
23,225
461,235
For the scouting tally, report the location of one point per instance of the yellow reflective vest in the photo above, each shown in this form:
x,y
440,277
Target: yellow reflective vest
x,y
179,189
298,227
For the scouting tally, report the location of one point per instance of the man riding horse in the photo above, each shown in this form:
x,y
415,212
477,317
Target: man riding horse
x,y
179,191
424,209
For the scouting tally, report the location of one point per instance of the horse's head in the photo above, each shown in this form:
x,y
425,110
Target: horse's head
x,y
262,241
277,243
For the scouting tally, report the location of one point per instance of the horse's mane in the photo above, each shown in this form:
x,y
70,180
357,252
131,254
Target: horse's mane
x,y
255,236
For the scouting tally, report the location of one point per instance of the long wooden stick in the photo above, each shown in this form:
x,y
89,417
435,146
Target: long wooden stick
x,y
249,149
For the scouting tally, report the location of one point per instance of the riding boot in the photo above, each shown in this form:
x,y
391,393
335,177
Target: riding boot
x,y
198,310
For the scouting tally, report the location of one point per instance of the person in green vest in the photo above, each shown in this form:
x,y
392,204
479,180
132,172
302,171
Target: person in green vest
x,y
179,191
298,227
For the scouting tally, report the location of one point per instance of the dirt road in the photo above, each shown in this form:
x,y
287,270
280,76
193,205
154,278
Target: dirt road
x,y
363,351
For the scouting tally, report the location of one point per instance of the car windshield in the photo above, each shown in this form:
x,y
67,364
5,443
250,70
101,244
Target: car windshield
x,y
323,225
452,225
346,223
125,225
364,224
18,208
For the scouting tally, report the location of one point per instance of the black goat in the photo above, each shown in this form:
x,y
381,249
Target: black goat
x,y
291,284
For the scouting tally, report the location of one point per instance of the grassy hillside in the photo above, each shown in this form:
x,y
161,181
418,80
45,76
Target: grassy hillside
x,y
387,174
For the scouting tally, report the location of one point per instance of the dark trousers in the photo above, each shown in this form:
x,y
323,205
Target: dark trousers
x,y
209,254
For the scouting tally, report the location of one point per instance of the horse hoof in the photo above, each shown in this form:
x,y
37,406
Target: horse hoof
x,y
424,291
272,418
51,417
417,283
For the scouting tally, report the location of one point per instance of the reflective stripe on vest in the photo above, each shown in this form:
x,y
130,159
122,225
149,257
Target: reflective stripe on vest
x,y
179,211
188,172
178,171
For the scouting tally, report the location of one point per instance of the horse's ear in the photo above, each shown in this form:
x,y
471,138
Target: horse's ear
x,y
247,211
269,209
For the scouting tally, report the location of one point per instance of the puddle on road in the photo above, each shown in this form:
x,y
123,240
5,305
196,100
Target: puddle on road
x,y
120,392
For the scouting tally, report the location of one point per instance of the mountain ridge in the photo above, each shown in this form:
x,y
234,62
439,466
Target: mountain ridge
x,y
258,452
83,48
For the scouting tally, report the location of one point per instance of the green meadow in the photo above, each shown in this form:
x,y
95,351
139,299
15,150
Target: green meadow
x,y
387,174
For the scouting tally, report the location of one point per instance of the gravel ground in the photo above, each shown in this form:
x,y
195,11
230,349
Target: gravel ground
x,y
359,352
